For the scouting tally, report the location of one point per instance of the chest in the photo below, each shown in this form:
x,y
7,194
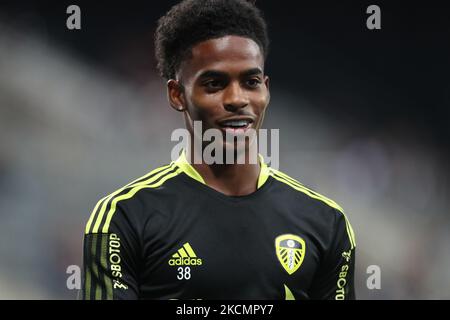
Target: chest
x,y
241,251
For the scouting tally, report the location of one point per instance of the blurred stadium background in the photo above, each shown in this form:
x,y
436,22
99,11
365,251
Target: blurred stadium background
x,y
363,118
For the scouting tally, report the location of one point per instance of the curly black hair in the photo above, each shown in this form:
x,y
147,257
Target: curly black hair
x,y
193,21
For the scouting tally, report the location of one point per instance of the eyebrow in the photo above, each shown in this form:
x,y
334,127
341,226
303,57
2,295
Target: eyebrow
x,y
219,74
252,72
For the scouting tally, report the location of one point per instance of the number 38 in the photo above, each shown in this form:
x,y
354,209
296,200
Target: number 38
x,y
184,273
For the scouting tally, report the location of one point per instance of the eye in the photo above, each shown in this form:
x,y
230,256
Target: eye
x,y
253,82
213,84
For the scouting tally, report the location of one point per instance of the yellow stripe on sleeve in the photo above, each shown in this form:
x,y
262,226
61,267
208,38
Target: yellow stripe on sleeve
x,y
315,195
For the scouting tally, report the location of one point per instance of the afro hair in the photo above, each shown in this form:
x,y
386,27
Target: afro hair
x,y
193,21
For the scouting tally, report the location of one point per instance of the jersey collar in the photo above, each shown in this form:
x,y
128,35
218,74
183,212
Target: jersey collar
x,y
188,169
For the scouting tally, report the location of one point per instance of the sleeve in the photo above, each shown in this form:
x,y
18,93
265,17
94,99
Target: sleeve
x,y
335,277
110,257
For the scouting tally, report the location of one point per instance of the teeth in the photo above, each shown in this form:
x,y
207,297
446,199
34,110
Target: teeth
x,y
236,123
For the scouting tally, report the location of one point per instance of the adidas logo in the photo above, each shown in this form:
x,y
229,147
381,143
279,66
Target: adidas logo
x,y
185,257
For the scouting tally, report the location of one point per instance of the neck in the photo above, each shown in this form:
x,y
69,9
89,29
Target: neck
x,y
229,179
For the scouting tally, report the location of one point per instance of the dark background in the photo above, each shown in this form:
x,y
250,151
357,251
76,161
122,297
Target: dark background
x,y
323,48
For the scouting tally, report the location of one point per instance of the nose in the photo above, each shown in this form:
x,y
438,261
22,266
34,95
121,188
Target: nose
x,y
234,97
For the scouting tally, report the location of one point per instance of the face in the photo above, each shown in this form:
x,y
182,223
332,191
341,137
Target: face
x,y
222,84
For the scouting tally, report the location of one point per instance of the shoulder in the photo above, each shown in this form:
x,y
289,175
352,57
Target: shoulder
x,y
125,200
299,187
325,207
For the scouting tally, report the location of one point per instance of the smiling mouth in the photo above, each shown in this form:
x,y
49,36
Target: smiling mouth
x,y
236,126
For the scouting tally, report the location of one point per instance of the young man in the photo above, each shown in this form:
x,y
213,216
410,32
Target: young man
x,y
193,230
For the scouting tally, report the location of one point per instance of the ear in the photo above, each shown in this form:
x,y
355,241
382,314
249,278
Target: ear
x,y
175,95
266,82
